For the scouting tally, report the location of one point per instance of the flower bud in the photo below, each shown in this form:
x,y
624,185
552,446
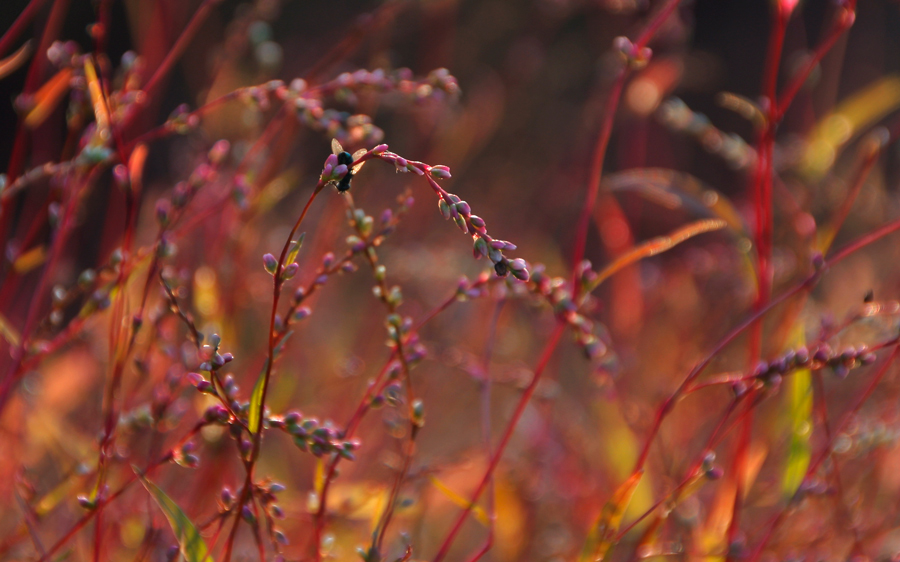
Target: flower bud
x,y
290,271
442,172
270,263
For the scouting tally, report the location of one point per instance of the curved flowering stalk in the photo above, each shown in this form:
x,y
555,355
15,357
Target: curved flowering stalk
x,y
450,205
309,102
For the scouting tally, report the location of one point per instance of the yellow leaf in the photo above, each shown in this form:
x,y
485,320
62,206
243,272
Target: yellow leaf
x,y
602,537
98,100
655,246
30,259
851,116
191,544
9,332
462,502
510,519
799,406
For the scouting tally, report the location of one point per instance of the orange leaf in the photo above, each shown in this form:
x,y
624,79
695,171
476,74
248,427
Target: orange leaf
x,y
46,99
30,259
655,246
11,63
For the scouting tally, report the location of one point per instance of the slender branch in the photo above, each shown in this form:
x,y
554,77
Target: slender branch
x,y
546,354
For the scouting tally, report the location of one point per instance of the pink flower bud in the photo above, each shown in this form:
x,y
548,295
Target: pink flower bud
x,y
442,172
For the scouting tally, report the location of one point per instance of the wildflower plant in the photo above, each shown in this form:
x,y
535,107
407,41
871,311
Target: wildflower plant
x,y
221,348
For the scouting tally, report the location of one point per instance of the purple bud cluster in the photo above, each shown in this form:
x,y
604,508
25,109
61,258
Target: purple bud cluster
x,y
182,121
816,357
354,129
555,290
400,332
267,494
466,289
454,208
209,354
709,469
317,438
184,455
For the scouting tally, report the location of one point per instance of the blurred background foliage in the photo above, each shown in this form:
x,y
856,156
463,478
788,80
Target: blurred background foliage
x,y
534,76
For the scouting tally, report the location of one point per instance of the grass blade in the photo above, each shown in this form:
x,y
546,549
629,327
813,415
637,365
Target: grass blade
x,y
189,540
256,400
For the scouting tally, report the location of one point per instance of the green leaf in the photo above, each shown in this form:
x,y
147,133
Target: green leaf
x,y
295,248
256,400
189,540
799,407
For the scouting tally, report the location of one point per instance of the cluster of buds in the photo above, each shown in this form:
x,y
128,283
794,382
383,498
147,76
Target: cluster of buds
x,y
346,127
359,129
290,267
466,289
636,58
451,207
709,468
182,121
392,297
332,171
266,493
454,208
209,354
184,455
317,438
842,361
400,332
438,84
555,291
61,297
819,356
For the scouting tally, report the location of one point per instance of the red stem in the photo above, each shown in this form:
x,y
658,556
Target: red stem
x,y
826,450
546,354
843,22
18,26
180,45
603,136
762,192
806,284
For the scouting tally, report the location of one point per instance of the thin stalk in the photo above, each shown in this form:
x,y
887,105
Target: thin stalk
x,y
546,354
246,493
603,136
15,30
804,285
776,521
